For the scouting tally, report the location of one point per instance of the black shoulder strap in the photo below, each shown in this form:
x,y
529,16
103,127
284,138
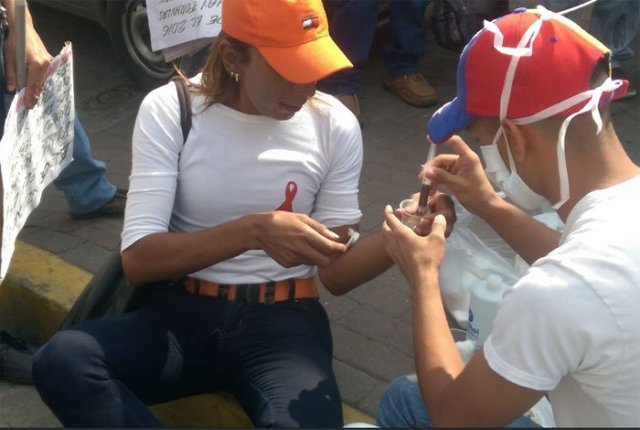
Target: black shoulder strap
x,y
185,106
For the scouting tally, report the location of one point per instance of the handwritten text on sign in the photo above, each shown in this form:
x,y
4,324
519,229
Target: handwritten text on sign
x,y
36,146
172,22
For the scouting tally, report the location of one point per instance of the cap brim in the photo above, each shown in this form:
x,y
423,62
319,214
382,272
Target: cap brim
x,y
449,119
306,63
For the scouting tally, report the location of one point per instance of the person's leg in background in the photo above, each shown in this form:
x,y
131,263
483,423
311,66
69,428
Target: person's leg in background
x,y
85,185
401,406
613,22
352,25
402,54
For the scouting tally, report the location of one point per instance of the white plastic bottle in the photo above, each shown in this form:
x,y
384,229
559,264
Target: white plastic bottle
x,y
486,295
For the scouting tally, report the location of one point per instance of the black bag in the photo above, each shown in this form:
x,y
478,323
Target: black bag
x,y
455,22
108,292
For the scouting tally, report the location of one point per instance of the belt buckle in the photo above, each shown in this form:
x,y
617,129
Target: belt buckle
x,y
270,293
223,291
249,293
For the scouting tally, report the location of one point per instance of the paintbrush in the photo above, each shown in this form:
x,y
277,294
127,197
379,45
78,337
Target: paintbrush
x,y
425,188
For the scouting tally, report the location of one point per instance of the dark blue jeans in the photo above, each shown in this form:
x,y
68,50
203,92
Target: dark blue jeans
x,y
276,360
352,25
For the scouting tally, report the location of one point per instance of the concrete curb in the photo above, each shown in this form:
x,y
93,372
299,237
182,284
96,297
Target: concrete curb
x,y
37,292
35,297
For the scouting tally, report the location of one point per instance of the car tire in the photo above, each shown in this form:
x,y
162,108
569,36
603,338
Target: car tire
x,y
128,29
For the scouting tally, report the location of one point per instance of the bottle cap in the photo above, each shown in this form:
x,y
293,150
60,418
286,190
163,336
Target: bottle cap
x,y
494,282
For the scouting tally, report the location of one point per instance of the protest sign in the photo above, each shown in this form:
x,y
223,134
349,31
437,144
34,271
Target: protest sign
x,y
176,22
36,146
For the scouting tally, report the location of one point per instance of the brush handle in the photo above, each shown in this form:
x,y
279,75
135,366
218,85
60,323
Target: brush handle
x,y
423,209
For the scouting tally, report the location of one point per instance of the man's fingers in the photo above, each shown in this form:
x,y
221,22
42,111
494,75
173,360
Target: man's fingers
x,y
322,229
34,83
10,71
391,219
458,145
326,242
444,160
31,95
439,225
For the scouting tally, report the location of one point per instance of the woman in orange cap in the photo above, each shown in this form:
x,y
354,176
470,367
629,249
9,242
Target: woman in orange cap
x,y
247,213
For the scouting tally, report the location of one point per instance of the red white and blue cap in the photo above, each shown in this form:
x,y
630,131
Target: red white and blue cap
x,y
557,66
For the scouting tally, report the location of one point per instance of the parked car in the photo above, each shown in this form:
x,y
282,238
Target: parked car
x,y
128,28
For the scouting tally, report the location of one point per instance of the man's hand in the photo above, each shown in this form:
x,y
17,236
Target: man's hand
x,y
37,57
463,174
415,255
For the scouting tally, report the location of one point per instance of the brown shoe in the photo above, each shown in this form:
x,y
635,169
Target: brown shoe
x,y
113,208
413,89
351,102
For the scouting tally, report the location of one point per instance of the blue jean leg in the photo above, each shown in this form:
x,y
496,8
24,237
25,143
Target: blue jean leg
x,y
407,27
401,406
83,181
352,25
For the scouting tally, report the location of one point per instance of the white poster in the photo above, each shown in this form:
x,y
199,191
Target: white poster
x,y
36,146
175,22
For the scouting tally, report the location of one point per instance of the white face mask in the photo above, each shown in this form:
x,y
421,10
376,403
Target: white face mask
x,y
511,184
524,197
494,167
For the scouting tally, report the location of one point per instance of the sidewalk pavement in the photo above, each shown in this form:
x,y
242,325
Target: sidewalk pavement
x,y
371,325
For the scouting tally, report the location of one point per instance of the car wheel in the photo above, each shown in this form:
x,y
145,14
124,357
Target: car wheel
x,y
128,29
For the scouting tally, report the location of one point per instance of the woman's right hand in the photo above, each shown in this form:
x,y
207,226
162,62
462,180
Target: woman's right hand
x,y
292,239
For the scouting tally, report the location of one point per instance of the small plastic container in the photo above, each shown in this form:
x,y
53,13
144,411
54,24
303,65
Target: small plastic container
x,y
408,213
486,296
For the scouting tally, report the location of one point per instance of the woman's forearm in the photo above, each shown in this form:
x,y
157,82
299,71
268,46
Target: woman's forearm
x,y
361,263
163,256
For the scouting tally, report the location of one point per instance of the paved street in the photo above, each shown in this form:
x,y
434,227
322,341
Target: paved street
x,y
372,324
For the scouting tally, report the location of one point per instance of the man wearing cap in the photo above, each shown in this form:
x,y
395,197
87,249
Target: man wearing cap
x,y
533,88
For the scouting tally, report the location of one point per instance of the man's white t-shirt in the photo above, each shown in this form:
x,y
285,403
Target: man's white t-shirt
x,y
234,164
570,326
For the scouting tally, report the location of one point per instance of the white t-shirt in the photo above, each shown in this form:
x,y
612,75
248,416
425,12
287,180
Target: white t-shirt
x,y
235,164
570,326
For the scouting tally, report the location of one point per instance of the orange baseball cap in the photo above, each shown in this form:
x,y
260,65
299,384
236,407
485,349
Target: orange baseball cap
x,y
292,36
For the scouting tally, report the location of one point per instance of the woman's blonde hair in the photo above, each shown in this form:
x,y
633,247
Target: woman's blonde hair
x,y
217,84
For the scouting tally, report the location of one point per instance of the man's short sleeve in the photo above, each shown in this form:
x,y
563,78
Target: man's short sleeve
x,y
549,325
